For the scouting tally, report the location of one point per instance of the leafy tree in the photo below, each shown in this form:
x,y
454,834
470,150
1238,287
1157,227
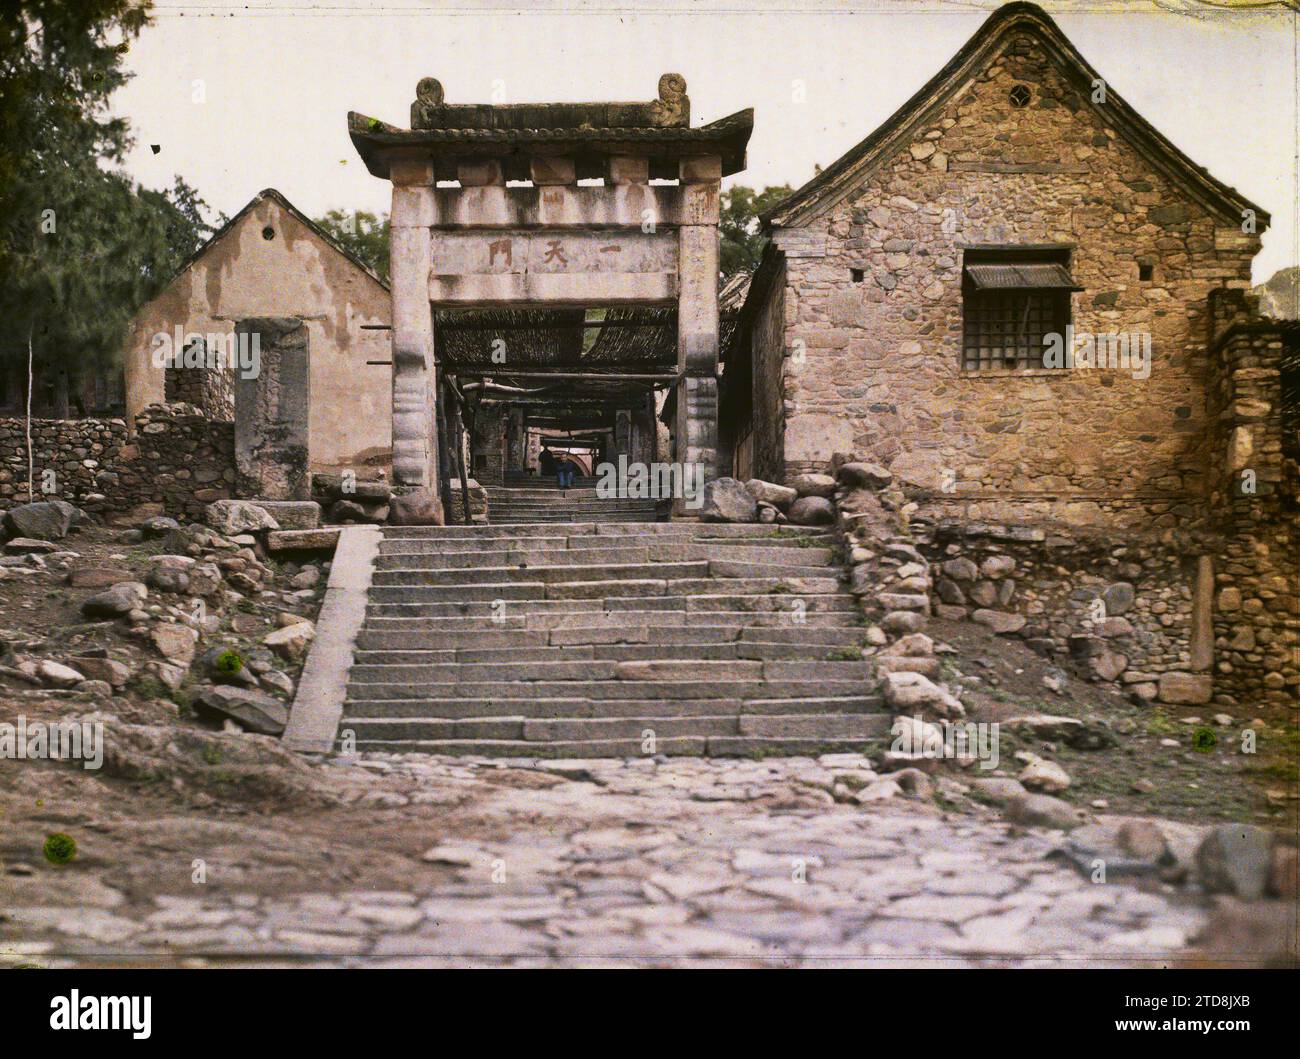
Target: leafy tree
x,y
742,241
362,234
81,248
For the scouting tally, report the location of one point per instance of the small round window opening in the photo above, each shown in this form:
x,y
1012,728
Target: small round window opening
x,y
268,233
1019,96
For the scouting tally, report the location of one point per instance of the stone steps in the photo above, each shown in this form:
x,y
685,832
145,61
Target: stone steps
x,y
618,652
583,638
504,706
659,552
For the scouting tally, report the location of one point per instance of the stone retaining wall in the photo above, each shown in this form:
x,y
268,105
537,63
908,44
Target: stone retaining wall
x,y
1114,608
176,458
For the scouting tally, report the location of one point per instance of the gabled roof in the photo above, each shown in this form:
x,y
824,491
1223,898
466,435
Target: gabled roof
x,y
289,207
836,181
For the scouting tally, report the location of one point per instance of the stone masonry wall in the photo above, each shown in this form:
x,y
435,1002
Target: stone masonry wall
x,y
1255,497
881,375
208,389
177,458
1112,609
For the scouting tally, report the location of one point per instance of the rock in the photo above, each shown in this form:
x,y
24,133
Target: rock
x,y
168,578
822,485
1236,859
29,546
1047,776
254,711
960,569
1042,810
158,526
121,599
913,645
176,643
984,594
225,666
231,517
997,566
99,576
1186,689
880,791
293,514
727,500
165,673
44,520
928,667
903,621
277,681
57,675
1284,878
1108,665
307,577
812,511
177,542
98,689
914,782
1142,840
904,601
204,578
346,511
998,789
913,693
108,670
950,592
779,496
999,621
864,476
1118,597
417,508
292,641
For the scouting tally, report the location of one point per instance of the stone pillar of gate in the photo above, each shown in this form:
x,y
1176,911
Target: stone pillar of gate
x,y
415,440
623,434
516,439
697,316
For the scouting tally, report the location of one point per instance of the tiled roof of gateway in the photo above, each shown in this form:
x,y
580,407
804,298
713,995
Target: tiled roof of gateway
x,y
659,128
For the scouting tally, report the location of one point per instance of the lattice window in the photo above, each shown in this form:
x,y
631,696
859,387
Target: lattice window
x,y
1006,329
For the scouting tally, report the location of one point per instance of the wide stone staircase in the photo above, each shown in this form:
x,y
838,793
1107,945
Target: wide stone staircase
x,y
587,639
532,498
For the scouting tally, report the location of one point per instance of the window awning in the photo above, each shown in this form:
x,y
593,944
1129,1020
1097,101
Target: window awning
x,y
1035,276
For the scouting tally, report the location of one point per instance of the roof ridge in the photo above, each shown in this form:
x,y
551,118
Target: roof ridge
x,y
803,204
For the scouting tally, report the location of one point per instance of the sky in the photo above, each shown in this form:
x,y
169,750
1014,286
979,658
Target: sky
x,y
240,97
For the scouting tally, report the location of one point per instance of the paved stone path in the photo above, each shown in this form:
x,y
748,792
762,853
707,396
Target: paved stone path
x,y
675,861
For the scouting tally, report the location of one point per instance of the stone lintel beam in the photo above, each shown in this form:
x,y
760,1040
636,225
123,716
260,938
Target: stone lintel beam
x,y
631,206
558,289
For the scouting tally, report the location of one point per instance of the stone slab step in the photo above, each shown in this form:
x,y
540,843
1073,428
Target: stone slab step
x,y
652,550
485,575
711,746
659,545
409,618
589,597
611,689
619,652
515,706
716,530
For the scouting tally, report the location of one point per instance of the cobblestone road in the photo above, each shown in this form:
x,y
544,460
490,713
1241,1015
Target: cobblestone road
x,y
674,862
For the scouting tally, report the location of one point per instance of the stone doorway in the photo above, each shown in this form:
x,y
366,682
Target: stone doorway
x,y
531,213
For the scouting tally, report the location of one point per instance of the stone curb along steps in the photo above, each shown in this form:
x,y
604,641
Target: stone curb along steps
x,y
586,639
